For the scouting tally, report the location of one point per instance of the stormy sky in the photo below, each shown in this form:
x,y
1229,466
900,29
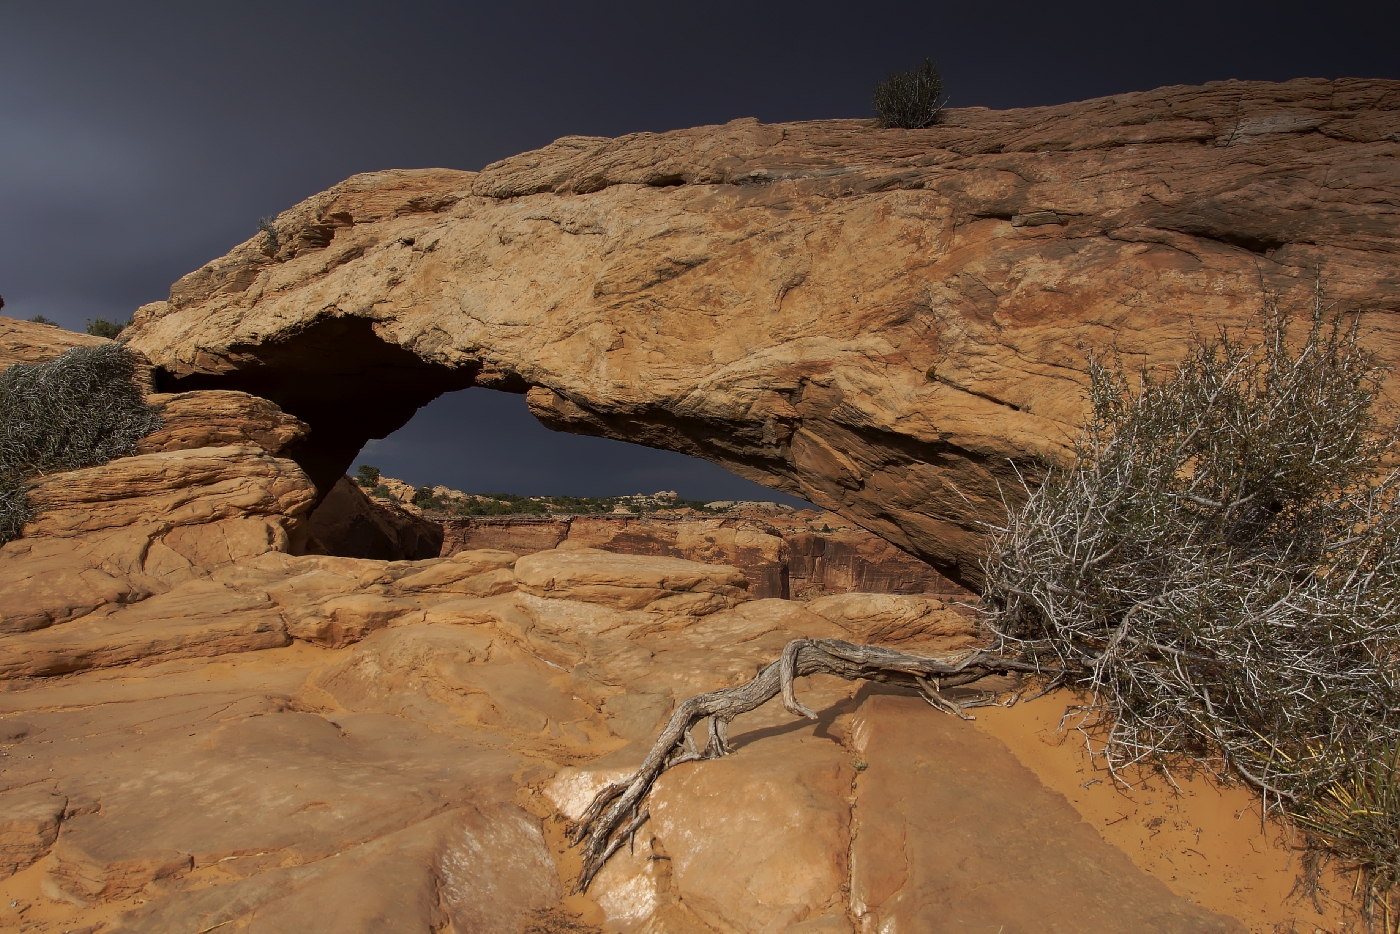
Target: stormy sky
x,y
139,140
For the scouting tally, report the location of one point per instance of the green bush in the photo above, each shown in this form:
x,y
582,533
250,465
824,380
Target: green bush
x,y
271,241
910,99
501,504
80,409
101,327
40,319
367,476
1220,573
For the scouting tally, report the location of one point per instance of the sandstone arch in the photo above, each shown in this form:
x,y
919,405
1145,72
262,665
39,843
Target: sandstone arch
x,y
888,323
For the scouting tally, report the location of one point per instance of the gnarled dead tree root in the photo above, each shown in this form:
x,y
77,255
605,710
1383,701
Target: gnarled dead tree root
x,y
617,811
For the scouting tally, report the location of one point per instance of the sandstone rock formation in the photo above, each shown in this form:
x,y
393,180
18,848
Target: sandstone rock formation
x,y
213,418
399,764
349,523
201,729
411,777
888,323
139,526
801,554
27,342
206,492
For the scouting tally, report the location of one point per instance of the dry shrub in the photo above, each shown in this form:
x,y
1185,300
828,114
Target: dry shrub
x,y
910,99
81,409
1220,569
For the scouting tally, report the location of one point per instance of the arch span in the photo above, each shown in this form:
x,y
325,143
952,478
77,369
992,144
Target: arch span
x,y
888,323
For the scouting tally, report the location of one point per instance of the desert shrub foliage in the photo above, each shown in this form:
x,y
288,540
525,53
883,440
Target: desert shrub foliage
x,y
1219,571
80,409
910,99
111,330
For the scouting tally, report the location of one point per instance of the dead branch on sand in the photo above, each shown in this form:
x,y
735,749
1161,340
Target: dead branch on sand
x,y
618,810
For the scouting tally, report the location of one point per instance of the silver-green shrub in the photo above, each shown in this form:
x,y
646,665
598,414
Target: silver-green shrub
x,y
1219,571
80,409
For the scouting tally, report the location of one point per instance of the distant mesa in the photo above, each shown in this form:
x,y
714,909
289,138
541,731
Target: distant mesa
x,y
443,502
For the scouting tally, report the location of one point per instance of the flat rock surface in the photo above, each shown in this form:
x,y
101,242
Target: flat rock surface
x,y
759,843
395,784
196,618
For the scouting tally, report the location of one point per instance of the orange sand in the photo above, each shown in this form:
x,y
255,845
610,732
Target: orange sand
x,y
1205,842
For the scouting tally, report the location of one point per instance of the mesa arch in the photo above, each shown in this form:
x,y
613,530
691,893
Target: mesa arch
x,y
888,323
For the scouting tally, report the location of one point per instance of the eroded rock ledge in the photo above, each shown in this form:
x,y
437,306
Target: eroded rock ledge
x,y
885,322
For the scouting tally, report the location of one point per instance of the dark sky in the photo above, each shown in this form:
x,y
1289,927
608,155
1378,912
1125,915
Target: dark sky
x,y
139,140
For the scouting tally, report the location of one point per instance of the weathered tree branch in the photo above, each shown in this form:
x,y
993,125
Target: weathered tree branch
x,y
617,811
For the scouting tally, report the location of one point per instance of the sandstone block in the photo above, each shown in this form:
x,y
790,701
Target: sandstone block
x,y
461,577
631,582
302,583
211,545
201,618
171,488
474,611
211,418
347,619
895,619
29,819
55,586
793,869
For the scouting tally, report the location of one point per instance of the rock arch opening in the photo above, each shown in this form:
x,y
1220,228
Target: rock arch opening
x,y
367,400
480,441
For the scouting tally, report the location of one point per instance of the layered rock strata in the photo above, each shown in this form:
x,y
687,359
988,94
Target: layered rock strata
x,y
799,555
420,774
891,324
200,729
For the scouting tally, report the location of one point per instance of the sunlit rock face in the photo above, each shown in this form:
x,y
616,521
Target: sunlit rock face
x,y
892,324
202,729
